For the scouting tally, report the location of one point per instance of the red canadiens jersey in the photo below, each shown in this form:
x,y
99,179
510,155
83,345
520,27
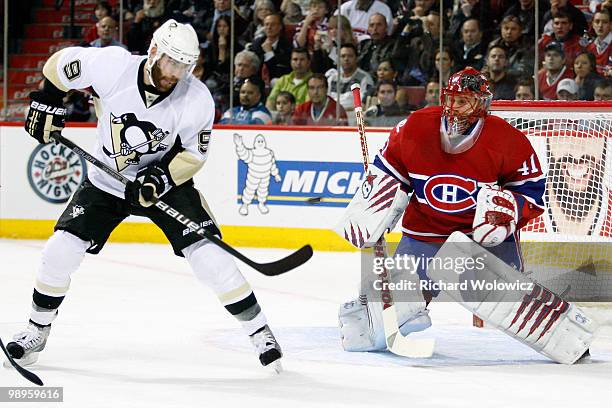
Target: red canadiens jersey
x,y
445,185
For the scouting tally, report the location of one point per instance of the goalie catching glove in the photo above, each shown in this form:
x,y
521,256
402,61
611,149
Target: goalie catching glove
x,y
496,216
46,115
375,208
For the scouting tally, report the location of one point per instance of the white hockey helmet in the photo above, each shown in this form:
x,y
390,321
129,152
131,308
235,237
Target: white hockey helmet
x,y
179,42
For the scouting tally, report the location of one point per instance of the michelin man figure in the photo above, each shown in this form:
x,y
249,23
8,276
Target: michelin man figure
x,y
261,166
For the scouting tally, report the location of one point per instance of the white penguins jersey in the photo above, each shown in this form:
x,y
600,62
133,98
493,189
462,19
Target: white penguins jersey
x,y
135,127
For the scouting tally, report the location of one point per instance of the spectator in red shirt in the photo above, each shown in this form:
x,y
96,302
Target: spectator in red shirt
x,y
601,47
562,32
554,71
320,110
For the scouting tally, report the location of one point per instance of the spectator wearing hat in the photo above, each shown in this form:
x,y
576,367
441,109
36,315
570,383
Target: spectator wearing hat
x,y
562,33
554,71
567,90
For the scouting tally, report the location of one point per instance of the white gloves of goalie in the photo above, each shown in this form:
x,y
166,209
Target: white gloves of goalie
x,y
496,216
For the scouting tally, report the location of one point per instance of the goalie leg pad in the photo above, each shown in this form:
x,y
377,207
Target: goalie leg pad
x,y
361,323
534,316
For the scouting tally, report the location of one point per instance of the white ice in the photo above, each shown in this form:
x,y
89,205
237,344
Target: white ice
x,y
137,330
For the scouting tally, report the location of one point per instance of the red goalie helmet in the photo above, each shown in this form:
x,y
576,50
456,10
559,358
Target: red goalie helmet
x,y
466,98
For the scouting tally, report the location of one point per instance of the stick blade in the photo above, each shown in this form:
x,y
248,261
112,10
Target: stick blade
x,y
286,264
28,375
404,346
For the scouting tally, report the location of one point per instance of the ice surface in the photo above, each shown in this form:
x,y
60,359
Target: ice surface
x,y
137,330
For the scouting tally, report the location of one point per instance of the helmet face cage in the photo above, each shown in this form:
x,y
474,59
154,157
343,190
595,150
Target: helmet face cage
x,y
466,98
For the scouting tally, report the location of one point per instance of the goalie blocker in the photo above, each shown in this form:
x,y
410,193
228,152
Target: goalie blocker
x,y
536,317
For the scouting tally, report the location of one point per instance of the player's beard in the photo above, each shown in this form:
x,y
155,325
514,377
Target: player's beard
x,y
576,194
162,83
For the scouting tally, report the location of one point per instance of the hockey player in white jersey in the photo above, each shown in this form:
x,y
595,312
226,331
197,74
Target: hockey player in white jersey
x,y
154,126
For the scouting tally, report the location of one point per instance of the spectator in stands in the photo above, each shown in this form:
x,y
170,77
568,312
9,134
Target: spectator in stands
x,y
554,71
470,52
585,75
603,90
102,9
386,112
205,29
567,90
406,10
525,11
520,52
285,107
246,65
386,71
251,110
466,10
601,46
273,48
378,47
325,51
315,21
524,90
107,28
562,33
351,74
359,12
255,28
501,82
217,62
444,65
432,93
296,81
320,110
576,16
146,20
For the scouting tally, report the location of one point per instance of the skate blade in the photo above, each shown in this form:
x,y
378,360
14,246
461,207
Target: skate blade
x,y
26,361
275,367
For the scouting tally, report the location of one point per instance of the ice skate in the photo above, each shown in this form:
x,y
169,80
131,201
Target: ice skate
x,y
268,349
263,208
244,209
26,345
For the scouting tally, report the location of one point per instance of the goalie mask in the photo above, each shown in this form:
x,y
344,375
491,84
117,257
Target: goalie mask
x,y
465,100
179,42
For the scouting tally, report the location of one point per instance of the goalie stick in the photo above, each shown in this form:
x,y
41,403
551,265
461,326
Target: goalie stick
x,y
396,343
279,267
28,375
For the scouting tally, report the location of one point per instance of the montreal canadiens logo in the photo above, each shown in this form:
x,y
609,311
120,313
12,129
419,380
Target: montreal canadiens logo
x,y
55,172
450,193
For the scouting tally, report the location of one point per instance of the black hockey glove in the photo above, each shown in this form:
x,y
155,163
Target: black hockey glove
x,y
152,181
47,114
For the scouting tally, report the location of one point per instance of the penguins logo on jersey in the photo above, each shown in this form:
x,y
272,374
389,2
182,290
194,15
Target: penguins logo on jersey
x,y
133,138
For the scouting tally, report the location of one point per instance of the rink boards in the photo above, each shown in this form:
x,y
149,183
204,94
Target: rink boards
x,y
319,168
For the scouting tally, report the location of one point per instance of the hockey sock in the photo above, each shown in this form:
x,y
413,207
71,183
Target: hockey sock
x,y
44,308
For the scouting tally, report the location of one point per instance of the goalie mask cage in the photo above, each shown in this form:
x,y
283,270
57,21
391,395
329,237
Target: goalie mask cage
x,y
569,247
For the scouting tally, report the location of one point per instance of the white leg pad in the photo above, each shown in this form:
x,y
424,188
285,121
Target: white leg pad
x,y
540,319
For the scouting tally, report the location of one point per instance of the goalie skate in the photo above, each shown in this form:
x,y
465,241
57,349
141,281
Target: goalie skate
x,y
27,345
268,348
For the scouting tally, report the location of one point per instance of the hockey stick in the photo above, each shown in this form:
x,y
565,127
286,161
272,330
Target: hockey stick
x,y
396,343
28,375
269,269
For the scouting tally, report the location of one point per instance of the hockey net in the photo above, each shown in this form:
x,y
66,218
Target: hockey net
x,y
569,247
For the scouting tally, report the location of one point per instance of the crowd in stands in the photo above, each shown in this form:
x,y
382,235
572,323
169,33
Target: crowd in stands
x,y
290,68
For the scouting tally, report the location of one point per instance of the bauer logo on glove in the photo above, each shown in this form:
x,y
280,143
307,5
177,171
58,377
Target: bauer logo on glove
x,y
496,216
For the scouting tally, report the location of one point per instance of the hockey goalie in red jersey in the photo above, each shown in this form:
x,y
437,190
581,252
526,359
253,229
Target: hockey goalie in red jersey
x,y
467,171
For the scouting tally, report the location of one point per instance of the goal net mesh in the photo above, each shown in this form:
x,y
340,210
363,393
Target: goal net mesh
x,y
569,247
